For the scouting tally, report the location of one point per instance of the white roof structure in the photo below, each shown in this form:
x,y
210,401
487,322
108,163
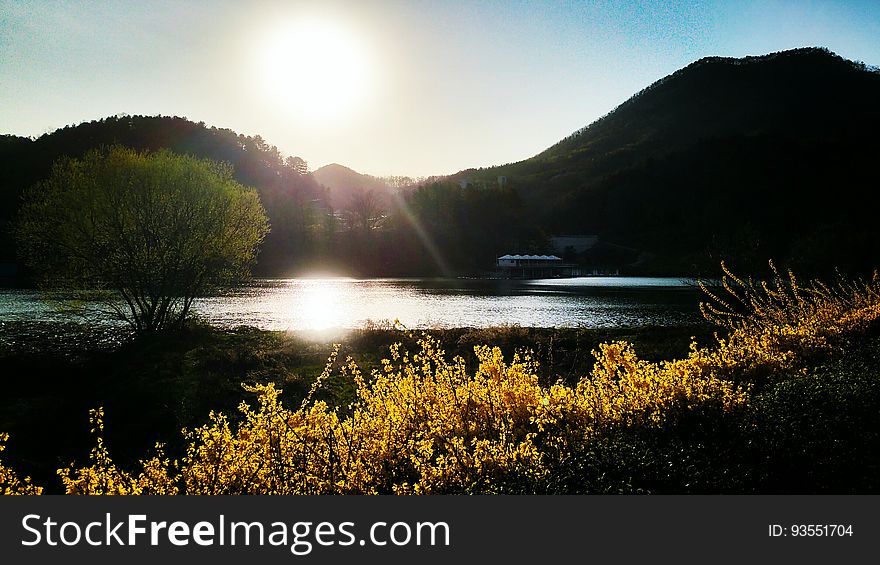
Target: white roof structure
x,y
529,258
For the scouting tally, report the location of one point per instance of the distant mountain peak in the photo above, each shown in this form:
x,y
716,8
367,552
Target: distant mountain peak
x,y
336,167
711,86
345,182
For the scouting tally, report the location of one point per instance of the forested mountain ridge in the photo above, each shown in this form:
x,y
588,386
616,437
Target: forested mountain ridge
x,y
770,156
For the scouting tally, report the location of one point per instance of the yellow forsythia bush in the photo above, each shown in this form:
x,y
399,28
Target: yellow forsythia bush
x,y
104,477
421,425
782,324
9,481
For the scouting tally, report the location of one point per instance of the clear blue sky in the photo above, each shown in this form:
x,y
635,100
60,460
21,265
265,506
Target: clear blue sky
x,y
385,87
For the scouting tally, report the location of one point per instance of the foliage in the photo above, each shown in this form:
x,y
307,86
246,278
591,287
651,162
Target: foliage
x,y
9,481
152,230
292,199
465,228
720,419
781,324
423,425
820,432
760,306
103,477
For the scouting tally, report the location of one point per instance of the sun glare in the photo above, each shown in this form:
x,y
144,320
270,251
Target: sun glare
x,y
316,69
321,303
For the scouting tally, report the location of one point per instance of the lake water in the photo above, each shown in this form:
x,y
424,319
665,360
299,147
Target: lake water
x,y
324,304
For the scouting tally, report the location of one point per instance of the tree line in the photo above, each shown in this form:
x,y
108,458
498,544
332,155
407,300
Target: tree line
x,y
417,227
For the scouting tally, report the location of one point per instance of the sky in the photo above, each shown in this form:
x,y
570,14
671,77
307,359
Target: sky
x,y
386,87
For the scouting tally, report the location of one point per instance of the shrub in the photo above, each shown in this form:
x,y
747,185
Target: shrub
x,y
9,481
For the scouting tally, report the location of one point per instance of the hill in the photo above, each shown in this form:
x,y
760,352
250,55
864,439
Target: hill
x,y
770,156
345,183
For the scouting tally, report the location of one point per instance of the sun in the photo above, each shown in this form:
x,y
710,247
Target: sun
x,y
316,69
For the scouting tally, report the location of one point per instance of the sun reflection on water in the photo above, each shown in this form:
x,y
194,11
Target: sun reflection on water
x,y
321,304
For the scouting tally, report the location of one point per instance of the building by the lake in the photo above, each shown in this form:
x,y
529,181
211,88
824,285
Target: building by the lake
x,y
534,267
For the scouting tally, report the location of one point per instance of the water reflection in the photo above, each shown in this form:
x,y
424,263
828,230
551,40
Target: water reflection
x,y
323,304
319,304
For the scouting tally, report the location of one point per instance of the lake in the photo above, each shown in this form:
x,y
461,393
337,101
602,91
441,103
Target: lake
x,y
343,303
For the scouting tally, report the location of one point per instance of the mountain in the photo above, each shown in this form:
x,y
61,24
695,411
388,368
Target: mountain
x,y
345,183
745,159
